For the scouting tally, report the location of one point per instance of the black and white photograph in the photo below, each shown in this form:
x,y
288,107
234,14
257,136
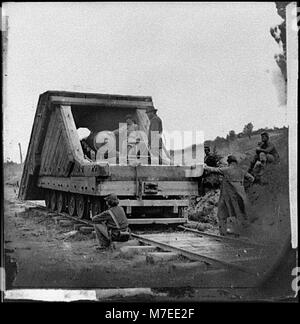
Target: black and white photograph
x,y
149,154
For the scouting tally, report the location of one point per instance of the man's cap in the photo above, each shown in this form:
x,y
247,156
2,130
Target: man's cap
x,y
264,133
150,109
111,198
231,158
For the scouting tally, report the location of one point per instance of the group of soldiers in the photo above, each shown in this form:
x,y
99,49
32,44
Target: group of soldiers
x,y
233,200
112,224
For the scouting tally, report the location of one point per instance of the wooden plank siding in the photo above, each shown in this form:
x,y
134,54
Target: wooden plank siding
x,y
89,185
47,145
166,188
71,132
28,188
53,148
151,172
62,146
119,103
67,159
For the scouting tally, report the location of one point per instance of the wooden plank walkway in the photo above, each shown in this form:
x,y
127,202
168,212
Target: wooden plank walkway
x,y
234,254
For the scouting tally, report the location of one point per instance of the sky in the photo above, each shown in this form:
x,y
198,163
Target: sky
x,y
207,66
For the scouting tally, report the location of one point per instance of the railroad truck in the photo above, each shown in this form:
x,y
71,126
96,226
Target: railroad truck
x,y
57,171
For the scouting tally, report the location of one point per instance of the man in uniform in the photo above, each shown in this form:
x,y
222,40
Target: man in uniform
x,y
112,224
233,200
266,153
209,181
209,159
155,132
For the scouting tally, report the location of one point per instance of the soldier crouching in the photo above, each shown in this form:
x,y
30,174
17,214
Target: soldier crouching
x,y
111,224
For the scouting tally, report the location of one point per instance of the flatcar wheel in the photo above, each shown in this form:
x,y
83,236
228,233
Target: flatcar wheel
x,y
53,201
72,205
47,198
61,202
81,206
95,205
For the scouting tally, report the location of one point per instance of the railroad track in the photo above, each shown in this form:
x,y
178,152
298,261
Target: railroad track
x,y
212,249
227,252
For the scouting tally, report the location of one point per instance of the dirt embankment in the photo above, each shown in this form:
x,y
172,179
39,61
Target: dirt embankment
x,y
269,201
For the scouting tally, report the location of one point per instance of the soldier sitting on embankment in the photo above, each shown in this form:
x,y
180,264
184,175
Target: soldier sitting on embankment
x,y
266,153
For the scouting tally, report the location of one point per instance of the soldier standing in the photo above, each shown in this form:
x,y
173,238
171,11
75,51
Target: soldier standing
x,y
209,181
155,132
209,159
233,200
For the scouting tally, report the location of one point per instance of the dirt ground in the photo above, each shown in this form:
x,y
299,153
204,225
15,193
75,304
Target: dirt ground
x,y
44,258
38,255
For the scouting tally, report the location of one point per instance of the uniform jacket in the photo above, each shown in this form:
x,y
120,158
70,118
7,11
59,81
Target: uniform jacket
x,y
233,200
210,160
268,148
105,217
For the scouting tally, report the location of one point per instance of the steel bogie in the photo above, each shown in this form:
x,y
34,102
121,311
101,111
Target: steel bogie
x,y
53,201
47,198
81,206
95,204
61,202
84,206
72,205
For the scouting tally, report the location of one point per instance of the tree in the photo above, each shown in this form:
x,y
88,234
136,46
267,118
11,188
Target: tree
x,y
248,129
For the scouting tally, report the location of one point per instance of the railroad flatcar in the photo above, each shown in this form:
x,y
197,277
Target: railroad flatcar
x,y
57,170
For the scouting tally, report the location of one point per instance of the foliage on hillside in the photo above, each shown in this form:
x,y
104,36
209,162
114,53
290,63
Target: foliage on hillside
x,y
243,147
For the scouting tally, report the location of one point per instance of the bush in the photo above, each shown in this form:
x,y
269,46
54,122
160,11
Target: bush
x,y
204,209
